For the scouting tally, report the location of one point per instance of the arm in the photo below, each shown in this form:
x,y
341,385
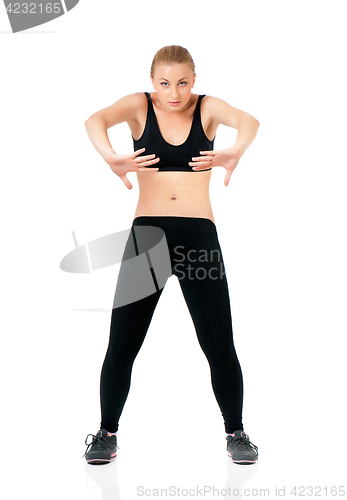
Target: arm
x,y
125,109
222,113
97,125
97,133
247,130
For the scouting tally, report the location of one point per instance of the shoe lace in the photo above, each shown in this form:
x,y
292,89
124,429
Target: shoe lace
x,y
244,443
98,442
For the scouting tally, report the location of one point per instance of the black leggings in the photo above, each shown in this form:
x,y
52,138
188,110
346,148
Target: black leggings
x,y
195,258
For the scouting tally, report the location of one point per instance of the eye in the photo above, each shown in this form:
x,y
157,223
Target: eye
x,y
165,83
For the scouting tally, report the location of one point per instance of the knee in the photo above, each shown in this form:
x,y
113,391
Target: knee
x,y
221,355
120,357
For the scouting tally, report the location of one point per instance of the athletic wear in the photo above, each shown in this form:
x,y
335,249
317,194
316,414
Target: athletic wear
x,y
240,449
173,158
195,258
103,448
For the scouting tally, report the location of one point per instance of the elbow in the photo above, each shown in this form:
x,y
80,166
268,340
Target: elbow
x,y
93,119
90,119
256,125
254,120
250,118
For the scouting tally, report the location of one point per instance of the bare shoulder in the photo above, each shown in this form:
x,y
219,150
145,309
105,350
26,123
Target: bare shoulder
x,y
125,109
221,112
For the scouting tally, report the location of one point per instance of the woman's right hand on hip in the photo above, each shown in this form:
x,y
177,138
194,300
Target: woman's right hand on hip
x,y
121,164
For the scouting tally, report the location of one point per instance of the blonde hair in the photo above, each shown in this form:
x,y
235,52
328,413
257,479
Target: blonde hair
x,y
172,54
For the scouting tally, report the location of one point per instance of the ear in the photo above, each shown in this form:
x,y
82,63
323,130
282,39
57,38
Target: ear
x,y
194,80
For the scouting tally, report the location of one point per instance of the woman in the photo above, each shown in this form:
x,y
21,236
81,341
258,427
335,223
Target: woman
x,y
173,132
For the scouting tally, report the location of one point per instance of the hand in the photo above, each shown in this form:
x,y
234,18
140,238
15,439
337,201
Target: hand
x,y
227,158
121,164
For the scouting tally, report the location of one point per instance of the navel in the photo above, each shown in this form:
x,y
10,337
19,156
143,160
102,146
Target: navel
x,y
173,197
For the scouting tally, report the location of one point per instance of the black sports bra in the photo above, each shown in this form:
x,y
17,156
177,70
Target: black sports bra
x,y
172,157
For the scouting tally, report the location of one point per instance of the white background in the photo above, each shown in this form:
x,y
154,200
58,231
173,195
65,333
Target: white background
x,y
281,224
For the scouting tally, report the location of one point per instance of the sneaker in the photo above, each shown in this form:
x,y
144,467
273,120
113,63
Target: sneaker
x,y
240,449
103,448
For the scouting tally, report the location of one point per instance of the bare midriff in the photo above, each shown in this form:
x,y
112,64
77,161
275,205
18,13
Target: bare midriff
x,y
179,194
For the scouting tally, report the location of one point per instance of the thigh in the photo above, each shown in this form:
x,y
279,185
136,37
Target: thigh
x,y
203,281
128,328
145,265
137,293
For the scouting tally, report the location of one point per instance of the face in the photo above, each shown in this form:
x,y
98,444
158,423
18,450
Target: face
x,y
173,83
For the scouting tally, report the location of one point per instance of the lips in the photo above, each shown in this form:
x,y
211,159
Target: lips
x,y
175,103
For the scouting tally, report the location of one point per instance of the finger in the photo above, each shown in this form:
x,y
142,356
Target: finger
x,y
150,162
136,165
204,158
227,177
202,165
201,159
137,152
211,153
139,159
148,169
126,182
